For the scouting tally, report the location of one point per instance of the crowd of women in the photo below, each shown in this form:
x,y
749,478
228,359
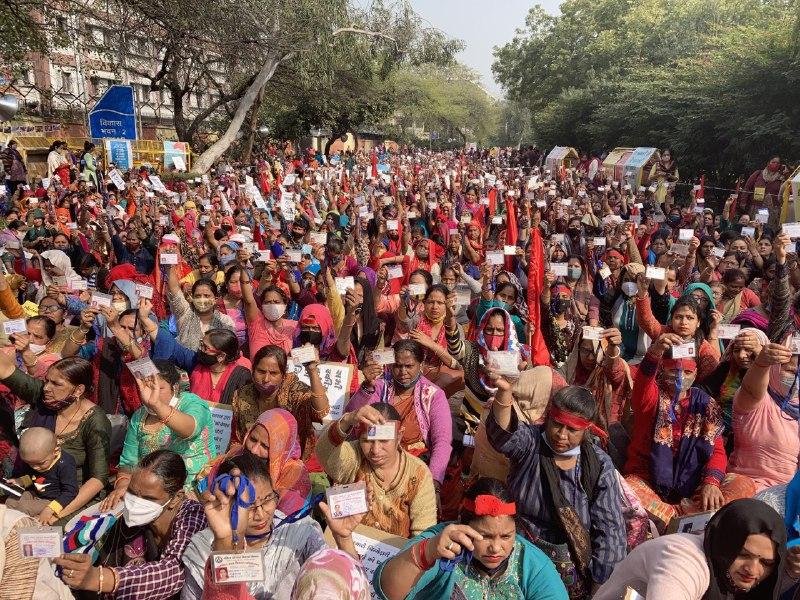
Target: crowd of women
x,y
550,374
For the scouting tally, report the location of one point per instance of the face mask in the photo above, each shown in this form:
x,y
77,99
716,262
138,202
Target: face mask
x,y
574,273
674,219
559,305
227,259
273,312
173,402
206,359
409,385
37,348
268,389
202,304
773,168
741,254
120,307
137,511
629,288
493,342
235,289
574,232
311,337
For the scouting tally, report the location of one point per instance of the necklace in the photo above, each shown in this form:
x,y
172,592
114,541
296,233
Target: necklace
x,y
71,419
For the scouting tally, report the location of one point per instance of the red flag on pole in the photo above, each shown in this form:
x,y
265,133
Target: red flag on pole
x,y
374,164
511,230
492,200
540,355
701,193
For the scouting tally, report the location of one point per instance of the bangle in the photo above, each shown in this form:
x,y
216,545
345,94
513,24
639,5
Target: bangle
x,y
169,416
502,404
423,546
74,341
100,585
116,579
415,558
619,351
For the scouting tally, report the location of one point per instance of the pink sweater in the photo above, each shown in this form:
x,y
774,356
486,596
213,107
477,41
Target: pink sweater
x,y
433,415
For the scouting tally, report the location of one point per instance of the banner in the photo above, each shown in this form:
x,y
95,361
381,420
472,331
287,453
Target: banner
x,y
120,154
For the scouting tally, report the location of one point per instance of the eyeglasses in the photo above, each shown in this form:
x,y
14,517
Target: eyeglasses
x,y
206,348
50,308
272,499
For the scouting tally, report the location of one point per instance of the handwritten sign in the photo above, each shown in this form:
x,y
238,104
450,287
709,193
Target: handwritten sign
x,y
336,378
222,416
374,546
116,178
157,184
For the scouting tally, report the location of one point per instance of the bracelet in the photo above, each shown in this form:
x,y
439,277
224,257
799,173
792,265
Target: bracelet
x,y
414,558
616,355
74,341
423,546
503,405
116,579
169,416
100,585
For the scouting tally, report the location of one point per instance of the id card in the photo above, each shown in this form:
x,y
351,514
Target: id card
x,y
304,354
347,500
142,368
604,272
417,289
510,250
100,299
497,220
343,284
686,350
600,241
790,229
144,291
466,219
685,235
236,567
12,245
495,258
320,238
394,271
263,256
658,273
592,333
557,238
720,252
503,362
383,357
77,285
748,231
463,295
559,269
728,332
251,247
15,326
386,431
169,258
41,542
795,344
392,225
294,256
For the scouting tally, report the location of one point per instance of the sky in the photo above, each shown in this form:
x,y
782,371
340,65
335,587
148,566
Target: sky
x,y
481,25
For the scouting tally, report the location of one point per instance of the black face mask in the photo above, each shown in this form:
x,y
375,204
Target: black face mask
x,y
334,260
574,232
742,254
206,359
311,337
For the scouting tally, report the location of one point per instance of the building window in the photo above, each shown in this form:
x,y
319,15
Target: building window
x,y
67,83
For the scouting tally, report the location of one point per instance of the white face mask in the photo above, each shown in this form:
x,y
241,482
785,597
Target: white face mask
x,y
173,402
120,307
37,348
273,312
137,511
629,288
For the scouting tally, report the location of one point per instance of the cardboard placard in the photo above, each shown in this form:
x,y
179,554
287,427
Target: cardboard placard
x,y
222,416
336,379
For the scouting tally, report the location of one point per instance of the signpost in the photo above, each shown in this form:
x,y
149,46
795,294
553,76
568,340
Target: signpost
x,y
114,115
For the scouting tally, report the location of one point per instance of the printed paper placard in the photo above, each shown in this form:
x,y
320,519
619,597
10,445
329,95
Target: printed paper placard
x,y
142,368
336,378
347,500
41,542
222,416
157,184
240,567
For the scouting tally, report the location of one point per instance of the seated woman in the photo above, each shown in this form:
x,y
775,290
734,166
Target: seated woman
x,y
500,295
273,387
60,403
405,501
684,321
216,370
559,329
332,574
265,319
765,413
565,486
141,554
169,419
490,559
676,461
283,547
425,414
736,297
742,555
32,346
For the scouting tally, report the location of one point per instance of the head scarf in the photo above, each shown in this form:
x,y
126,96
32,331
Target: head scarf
x,y
369,275
509,344
331,575
520,304
286,469
712,305
321,316
725,535
60,260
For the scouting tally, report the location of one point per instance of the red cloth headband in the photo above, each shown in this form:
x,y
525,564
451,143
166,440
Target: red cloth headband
x,y
489,506
687,364
575,421
616,253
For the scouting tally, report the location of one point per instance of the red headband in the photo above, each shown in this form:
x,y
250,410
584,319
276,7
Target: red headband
x,y
575,421
489,506
686,364
616,253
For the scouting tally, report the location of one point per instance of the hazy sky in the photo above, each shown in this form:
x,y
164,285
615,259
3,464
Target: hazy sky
x,y
482,25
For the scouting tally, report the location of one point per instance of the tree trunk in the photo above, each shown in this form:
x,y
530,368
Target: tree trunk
x,y
218,148
251,135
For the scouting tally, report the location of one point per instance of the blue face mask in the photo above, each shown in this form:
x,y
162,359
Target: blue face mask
x,y
227,259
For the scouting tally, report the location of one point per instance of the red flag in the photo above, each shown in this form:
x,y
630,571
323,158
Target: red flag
x,y
540,355
511,230
701,193
492,200
374,164
729,216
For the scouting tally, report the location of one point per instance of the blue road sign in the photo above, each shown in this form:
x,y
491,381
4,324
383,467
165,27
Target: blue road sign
x,y
114,115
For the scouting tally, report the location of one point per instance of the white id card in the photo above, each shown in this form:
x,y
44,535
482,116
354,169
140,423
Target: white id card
x,y
304,354
600,241
504,363
343,284
386,431
417,289
394,271
728,332
592,333
169,258
748,231
604,272
319,237
685,235
497,220
557,238
792,230
559,269
510,250
495,258
14,326
142,368
383,357
658,273
686,350
347,500
77,285
466,219
294,256
263,256
237,567
718,252
144,291
795,344
100,299
41,542
392,225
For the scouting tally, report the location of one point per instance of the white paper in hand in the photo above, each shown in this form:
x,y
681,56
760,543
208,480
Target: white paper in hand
x,y
343,284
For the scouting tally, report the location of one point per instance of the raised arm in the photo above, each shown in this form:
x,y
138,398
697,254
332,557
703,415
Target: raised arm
x,y
755,382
